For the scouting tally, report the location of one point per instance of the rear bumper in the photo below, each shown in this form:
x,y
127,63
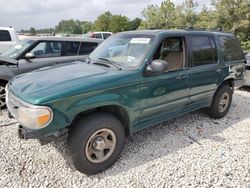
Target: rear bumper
x,y
239,83
29,134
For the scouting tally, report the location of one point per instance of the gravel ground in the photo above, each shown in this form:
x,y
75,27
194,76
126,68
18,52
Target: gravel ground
x,y
190,151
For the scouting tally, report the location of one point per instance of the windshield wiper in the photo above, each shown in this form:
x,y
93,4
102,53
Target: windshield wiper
x,y
116,65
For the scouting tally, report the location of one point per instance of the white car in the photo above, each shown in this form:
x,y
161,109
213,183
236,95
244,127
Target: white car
x,y
247,75
99,35
8,38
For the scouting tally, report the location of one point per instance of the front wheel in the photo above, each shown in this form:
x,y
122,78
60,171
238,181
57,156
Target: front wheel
x,y
95,142
221,102
2,95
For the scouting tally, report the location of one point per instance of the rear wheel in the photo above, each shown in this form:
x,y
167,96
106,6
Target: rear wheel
x,y
221,102
95,142
2,95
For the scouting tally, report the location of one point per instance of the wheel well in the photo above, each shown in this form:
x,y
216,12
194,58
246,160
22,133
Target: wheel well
x,y
3,81
115,110
230,82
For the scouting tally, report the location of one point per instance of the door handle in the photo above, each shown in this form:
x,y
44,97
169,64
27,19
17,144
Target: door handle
x,y
181,77
218,70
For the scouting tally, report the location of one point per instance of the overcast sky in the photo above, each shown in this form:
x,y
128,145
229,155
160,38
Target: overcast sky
x,y
23,14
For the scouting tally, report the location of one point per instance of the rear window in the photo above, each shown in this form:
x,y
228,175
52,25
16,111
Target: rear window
x,y
230,48
4,36
70,48
87,47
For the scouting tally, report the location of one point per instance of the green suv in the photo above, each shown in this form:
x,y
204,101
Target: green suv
x,y
131,81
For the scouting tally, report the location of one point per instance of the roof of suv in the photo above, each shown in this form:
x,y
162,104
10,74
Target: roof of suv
x,y
66,39
178,31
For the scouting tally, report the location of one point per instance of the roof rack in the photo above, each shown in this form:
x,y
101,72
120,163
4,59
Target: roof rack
x,y
189,27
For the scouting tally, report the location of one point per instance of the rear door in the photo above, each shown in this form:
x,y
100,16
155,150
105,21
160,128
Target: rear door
x,y
205,70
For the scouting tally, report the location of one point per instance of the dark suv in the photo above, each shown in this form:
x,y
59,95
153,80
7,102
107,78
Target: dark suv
x,y
133,80
34,53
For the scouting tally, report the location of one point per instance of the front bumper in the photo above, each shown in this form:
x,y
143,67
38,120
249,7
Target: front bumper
x,y
44,139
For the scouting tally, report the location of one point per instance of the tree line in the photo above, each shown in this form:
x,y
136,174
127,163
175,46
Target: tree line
x,y
227,15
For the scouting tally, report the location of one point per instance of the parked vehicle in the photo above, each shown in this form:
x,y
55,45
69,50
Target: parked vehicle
x,y
8,38
35,53
160,75
99,35
247,76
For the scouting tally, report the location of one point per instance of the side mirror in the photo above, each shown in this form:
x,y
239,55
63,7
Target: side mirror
x,y
29,56
157,66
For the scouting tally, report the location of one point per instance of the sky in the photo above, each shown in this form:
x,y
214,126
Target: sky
x,y
23,14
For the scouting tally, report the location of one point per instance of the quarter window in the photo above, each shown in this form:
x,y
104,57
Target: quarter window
x,y
203,51
230,48
4,36
97,35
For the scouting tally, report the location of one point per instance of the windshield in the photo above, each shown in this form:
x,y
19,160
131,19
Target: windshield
x,y
126,50
16,50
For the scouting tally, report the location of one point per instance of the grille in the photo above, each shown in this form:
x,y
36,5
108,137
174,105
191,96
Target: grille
x,y
12,103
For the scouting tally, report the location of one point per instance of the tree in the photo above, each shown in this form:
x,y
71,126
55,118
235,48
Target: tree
x,y
206,18
152,17
103,22
32,31
69,26
134,24
86,26
118,23
233,16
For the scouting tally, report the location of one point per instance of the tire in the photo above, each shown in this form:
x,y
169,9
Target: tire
x,y
106,129
2,95
219,107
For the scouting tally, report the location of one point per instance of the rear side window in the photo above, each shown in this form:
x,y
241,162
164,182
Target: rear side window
x,y
4,36
70,48
97,35
203,51
230,48
87,47
106,35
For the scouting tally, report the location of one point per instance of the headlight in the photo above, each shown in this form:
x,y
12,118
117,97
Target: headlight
x,y
34,117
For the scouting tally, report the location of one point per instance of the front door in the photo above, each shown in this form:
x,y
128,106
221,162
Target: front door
x,y
167,93
49,53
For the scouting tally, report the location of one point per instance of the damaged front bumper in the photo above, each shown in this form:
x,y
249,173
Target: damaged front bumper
x,y
44,139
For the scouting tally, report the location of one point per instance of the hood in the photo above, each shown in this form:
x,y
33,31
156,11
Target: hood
x,y
6,60
52,83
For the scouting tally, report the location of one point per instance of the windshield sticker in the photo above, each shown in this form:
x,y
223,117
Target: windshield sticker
x,y
140,40
18,47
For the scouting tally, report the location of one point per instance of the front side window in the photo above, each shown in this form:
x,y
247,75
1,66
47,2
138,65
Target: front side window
x,y
70,48
4,36
127,50
87,47
15,51
203,52
171,51
230,48
47,49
